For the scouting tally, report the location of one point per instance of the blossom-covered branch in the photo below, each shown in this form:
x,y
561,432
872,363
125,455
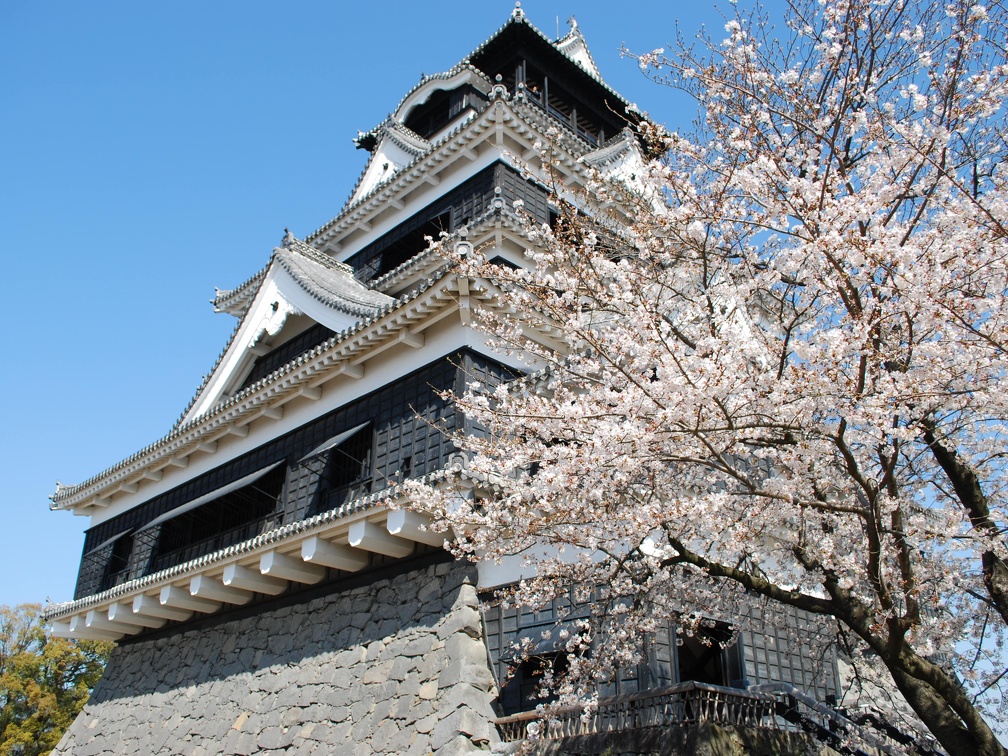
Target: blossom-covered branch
x,y
771,365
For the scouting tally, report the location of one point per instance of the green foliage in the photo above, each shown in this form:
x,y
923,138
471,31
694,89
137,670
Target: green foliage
x,y
44,681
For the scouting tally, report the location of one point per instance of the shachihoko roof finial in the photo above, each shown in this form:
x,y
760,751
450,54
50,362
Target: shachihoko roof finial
x,y
517,12
572,23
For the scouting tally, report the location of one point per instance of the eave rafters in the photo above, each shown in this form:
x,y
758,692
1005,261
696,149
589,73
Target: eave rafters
x,y
296,553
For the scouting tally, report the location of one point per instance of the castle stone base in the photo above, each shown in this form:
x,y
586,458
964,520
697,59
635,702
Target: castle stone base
x,y
397,666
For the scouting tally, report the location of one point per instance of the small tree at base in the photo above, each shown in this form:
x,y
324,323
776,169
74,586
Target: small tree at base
x,y
775,362
44,681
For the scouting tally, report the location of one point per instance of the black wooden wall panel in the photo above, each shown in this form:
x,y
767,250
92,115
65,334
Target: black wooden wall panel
x,y
409,419
460,206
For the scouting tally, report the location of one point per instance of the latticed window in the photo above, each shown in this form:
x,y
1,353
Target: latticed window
x,y
667,657
348,473
226,518
344,465
117,569
462,205
404,431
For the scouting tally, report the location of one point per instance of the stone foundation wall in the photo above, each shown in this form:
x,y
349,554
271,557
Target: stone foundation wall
x,y
394,667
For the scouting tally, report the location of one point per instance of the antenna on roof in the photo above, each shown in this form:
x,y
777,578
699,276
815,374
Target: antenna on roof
x,y
558,27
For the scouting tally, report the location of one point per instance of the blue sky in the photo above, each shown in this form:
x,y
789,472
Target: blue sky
x,y
152,151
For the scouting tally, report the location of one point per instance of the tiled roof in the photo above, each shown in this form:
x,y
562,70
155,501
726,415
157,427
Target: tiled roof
x,y
452,72
326,280
614,148
518,17
400,175
330,282
574,38
409,140
235,301
569,140
184,432
265,539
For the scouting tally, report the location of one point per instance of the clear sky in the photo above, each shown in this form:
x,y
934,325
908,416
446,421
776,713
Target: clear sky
x,y
153,151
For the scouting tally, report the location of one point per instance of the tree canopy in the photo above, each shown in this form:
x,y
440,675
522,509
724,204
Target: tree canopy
x,y
44,681
770,367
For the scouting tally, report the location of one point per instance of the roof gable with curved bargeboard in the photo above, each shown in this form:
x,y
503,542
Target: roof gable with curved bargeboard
x,y
575,47
460,75
299,281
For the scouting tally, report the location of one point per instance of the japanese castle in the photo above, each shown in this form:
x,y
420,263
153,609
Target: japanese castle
x,y
264,594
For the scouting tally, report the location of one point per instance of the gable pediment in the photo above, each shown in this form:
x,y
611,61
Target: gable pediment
x,y
574,46
429,85
394,148
301,288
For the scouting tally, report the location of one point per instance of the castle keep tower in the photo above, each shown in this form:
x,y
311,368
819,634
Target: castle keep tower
x,y
263,593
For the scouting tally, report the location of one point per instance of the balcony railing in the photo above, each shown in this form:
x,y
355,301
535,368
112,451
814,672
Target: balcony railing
x,y
684,703
537,99
774,706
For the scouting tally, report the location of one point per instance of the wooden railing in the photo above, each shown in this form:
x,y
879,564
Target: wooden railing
x,y
685,703
797,710
536,98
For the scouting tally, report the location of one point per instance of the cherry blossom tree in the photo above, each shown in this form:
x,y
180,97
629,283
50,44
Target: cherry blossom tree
x,y
771,366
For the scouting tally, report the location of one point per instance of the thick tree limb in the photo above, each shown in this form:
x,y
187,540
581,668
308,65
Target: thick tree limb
x,y
970,493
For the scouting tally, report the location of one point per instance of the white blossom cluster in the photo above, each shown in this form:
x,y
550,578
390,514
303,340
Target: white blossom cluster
x,y
784,383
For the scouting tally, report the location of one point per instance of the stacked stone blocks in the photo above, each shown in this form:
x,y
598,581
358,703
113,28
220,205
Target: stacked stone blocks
x,y
395,667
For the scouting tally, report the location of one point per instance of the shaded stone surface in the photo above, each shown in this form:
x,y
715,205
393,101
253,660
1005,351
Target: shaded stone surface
x,y
396,666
